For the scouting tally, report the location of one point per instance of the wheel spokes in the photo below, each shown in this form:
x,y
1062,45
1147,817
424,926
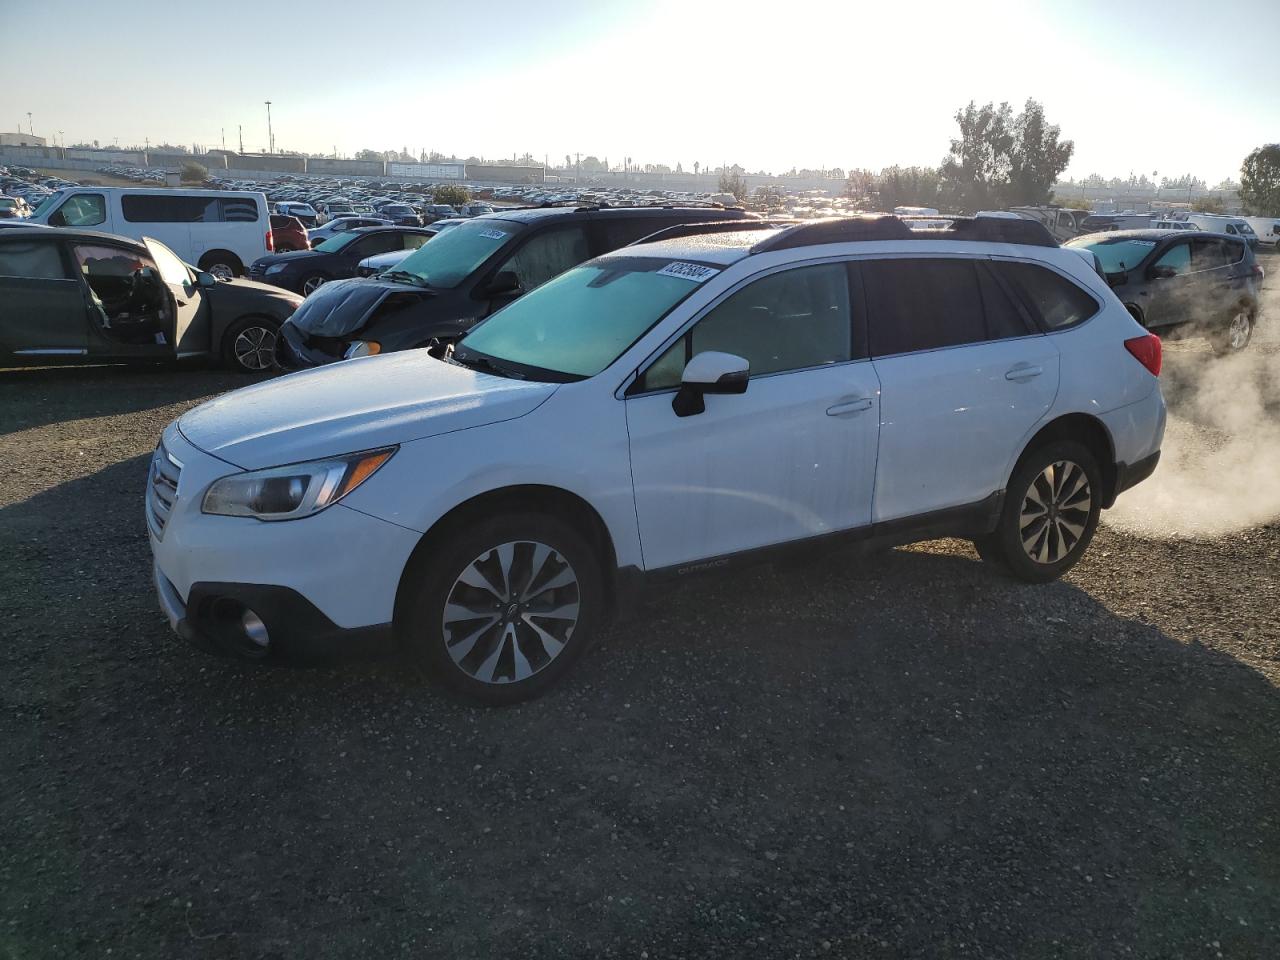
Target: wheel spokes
x,y
1055,512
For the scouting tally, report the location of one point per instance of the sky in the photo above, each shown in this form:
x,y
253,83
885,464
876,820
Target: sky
x,y
1172,87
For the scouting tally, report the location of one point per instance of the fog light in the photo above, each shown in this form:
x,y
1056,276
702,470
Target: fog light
x,y
255,629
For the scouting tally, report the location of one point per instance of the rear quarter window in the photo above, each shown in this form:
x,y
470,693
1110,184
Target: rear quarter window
x,y
1053,301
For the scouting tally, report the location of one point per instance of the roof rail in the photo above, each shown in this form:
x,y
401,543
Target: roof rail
x,y
836,230
950,227
706,226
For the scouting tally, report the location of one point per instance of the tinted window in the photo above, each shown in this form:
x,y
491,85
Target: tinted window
x,y
785,321
168,208
1209,254
617,232
1054,301
1117,255
81,210
1000,312
37,261
546,255
922,305
376,244
238,210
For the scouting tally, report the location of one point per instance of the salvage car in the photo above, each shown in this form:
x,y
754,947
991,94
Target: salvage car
x,y
337,258
85,297
435,295
669,407
1183,283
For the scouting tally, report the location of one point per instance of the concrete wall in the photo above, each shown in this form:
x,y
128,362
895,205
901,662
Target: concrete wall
x,y
323,166
266,162
505,173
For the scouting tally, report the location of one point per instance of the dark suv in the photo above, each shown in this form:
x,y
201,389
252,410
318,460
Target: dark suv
x,y
466,273
1183,283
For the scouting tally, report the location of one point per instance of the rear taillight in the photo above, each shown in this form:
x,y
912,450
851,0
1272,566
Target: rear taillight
x,y
1147,350
271,242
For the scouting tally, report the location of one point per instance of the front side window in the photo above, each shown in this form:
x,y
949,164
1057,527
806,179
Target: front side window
x,y
81,210
547,255
788,320
578,323
39,260
1177,258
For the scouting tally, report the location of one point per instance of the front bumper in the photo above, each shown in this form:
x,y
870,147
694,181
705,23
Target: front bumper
x,y
294,353
319,584
294,629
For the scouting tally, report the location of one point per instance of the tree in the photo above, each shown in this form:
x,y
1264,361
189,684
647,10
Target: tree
x,y
1000,159
859,184
368,154
1208,204
592,165
731,182
193,172
907,187
451,193
1260,181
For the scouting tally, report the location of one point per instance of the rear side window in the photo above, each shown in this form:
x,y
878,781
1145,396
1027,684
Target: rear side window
x,y
615,232
1053,301
927,304
238,210
35,261
546,255
178,208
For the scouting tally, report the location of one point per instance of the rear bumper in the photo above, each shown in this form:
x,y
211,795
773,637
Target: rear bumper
x,y
1129,475
296,631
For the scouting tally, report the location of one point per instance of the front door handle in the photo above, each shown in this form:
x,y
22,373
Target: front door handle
x,y
849,406
1023,372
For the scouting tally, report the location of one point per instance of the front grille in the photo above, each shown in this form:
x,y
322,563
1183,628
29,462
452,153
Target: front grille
x,y
162,489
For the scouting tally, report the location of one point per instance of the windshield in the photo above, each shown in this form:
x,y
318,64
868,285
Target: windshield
x,y
46,202
336,242
341,208
455,254
580,322
1117,255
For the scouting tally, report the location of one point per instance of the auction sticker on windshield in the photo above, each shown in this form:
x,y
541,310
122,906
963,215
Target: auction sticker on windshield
x,y
695,272
493,234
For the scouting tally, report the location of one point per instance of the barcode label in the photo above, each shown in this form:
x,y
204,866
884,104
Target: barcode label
x,y
695,272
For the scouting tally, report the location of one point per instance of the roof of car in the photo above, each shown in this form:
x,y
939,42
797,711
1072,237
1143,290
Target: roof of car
x,y
38,230
538,214
386,227
722,248
1151,233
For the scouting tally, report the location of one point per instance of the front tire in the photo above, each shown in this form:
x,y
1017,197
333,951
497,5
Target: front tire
x,y
1051,510
502,609
312,283
249,345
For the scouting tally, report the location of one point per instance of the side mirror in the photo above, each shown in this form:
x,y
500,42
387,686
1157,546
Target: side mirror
x,y
1158,272
503,282
1116,279
709,372
205,279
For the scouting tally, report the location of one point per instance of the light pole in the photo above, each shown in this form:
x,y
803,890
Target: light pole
x,y
30,129
271,139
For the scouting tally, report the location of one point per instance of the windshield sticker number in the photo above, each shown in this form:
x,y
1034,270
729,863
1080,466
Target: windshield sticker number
x,y
694,272
493,234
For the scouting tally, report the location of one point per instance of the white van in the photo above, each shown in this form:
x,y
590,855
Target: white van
x,y
219,231
1215,223
1267,228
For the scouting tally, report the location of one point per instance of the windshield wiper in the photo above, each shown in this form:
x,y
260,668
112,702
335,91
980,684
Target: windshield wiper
x,y
484,364
404,276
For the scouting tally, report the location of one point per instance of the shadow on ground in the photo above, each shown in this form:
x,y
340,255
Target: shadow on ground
x,y
897,756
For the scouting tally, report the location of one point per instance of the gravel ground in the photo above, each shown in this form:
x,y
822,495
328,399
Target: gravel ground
x,y
901,756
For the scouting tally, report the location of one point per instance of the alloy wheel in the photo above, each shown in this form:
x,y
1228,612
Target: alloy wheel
x,y
255,348
1239,330
311,285
511,612
1055,512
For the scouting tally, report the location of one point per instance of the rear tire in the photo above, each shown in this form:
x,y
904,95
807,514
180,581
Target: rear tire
x,y
537,592
222,264
1236,335
1050,513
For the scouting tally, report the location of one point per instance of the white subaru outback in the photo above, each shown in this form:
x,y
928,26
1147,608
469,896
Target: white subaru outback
x,y
672,406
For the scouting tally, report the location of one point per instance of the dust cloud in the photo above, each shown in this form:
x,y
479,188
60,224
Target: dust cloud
x,y
1220,469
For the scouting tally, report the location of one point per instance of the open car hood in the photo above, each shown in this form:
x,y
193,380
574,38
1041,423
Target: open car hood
x,y
342,307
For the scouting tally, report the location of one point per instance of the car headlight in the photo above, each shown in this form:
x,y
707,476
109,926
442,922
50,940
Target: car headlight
x,y
294,491
362,348
277,268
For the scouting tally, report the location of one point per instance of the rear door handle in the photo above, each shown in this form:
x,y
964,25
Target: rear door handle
x,y
849,406
1023,372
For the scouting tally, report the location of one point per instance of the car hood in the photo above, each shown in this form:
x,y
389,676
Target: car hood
x,y
345,306
293,256
354,405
